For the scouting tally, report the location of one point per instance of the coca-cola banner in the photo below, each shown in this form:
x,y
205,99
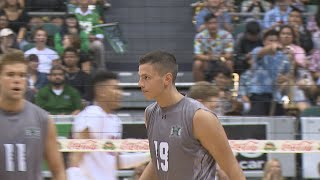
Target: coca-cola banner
x,y
248,161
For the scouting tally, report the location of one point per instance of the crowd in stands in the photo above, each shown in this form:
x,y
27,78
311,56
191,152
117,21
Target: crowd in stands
x,y
62,51
272,46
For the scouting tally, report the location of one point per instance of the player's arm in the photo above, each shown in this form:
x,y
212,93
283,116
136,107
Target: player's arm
x,y
149,172
208,130
52,155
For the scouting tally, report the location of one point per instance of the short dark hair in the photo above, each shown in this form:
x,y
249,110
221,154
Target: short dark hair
x,y
270,32
71,49
99,77
253,27
33,57
209,16
57,67
166,62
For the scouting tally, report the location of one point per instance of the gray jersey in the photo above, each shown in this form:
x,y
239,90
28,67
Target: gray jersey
x,y
175,153
22,142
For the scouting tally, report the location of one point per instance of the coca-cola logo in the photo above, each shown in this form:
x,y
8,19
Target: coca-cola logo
x,y
135,145
298,146
83,145
241,146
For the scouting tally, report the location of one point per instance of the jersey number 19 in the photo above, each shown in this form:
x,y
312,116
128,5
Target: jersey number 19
x,y
162,156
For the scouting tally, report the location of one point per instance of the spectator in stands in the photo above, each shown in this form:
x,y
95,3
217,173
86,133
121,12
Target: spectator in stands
x,y
211,46
272,170
58,97
279,15
255,7
245,43
7,40
88,19
17,17
314,27
72,28
206,93
268,62
287,37
47,57
74,75
36,79
98,121
303,82
214,7
57,21
303,36
314,66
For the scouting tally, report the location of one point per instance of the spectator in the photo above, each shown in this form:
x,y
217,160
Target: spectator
x,y
245,43
255,6
303,82
87,20
210,46
58,97
36,79
272,170
268,62
288,39
74,75
279,15
314,27
98,121
221,78
206,93
214,7
7,40
72,28
17,18
47,57
303,36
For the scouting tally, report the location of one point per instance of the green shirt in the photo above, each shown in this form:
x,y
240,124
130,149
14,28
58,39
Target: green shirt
x,y
88,20
65,103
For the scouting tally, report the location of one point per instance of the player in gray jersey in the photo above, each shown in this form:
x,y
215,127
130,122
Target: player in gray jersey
x,y
26,133
185,138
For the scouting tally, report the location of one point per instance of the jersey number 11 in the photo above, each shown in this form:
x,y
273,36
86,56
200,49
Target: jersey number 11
x,y
10,157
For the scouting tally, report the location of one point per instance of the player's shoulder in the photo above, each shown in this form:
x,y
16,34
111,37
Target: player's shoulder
x,y
32,107
91,111
189,102
152,107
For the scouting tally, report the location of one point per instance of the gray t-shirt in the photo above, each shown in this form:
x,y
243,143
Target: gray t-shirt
x,y
22,140
176,154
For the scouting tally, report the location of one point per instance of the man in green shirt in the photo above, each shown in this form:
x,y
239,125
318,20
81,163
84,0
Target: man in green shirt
x,y
58,97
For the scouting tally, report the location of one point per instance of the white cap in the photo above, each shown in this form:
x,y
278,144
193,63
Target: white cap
x,y
6,32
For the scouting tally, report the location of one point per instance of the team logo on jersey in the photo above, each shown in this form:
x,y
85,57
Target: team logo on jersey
x,y
32,132
175,131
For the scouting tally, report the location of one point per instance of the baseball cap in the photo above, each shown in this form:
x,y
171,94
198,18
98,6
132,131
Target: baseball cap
x,y
6,32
